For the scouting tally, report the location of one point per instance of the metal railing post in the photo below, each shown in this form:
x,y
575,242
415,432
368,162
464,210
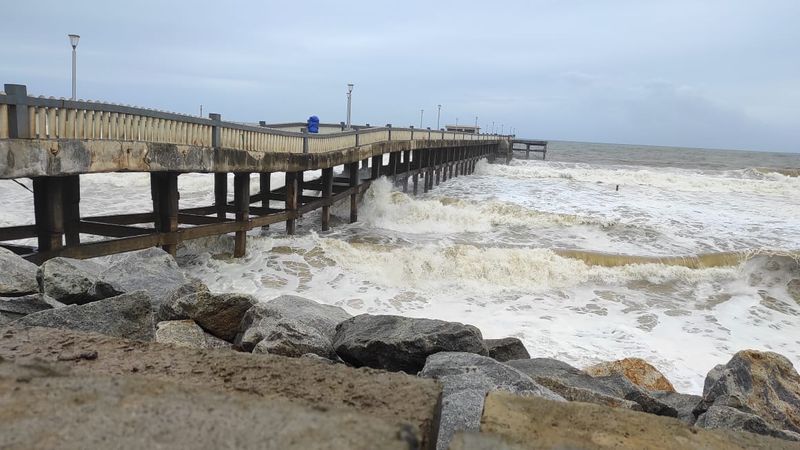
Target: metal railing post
x,y
18,126
358,133
304,130
389,126
412,132
216,132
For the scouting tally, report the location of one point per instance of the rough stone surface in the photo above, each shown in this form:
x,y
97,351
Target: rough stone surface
x,y
73,281
683,403
467,377
538,423
506,349
637,370
12,308
215,342
152,270
391,396
761,383
576,385
219,314
402,343
470,440
127,316
183,333
725,417
291,326
17,275
42,409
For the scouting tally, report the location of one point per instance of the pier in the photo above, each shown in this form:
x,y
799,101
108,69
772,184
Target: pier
x,y
55,141
528,146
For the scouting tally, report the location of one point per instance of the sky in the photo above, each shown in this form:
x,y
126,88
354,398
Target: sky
x,y
715,74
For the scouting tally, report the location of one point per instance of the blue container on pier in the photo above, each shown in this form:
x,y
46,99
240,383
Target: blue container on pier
x,y
313,124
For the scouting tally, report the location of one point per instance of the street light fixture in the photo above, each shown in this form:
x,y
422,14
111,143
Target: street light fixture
x,y
349,101
421,114
73,41
438,115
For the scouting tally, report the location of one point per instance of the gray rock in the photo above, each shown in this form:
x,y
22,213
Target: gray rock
x,y
73,281
215,342
219,314
152,270
291,326
17,275
728,418
467,378
506,349
402,343
183,333
12,308
169,309
755,382
576,385
683,403
127,316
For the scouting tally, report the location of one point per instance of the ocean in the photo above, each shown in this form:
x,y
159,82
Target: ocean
x,y
678,256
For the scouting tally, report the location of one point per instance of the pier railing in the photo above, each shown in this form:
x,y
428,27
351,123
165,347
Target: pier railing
x,y
27,117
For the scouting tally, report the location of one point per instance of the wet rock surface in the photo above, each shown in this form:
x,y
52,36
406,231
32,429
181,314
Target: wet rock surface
x,y
466,378
506,349
636,370
73,281
402,343
219,314
13,308
291,326
126,316
684,404
183,333
17,275
728,418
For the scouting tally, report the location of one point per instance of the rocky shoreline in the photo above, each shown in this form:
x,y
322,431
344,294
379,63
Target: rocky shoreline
x,y
111,353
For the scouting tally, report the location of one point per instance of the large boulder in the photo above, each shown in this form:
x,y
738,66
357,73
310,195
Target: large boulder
x,y
467,378
291,326
506,349
73,281
684,404
219,314
637,370
17,275
727,418
576,385
761,383
402,343
12,308
182,333
152,270
127,316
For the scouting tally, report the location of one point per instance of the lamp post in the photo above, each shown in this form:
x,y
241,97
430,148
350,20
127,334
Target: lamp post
x,y
421,114
73,41
476,122
438,115
349,101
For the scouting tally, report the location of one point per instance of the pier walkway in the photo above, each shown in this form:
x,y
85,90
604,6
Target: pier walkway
x,y
528,146
55,141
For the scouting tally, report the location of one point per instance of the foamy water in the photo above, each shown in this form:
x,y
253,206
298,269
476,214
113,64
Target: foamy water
x,y
492,250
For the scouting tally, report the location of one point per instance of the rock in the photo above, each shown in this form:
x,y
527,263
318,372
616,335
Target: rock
x,y
127,316
73,281
291,326
532,422
683,403
393,397
17,275
169,309
215,342
727,418
506,349
470,440
402,343
637,370
12,308
183,333
219,314
54,410
793,287
761,383
576,385
466,378
152,270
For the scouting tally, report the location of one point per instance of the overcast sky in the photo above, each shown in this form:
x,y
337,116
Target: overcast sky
x,y
722,74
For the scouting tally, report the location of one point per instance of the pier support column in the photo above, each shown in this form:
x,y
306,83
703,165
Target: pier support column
x,y
164,190
437,161
241,201
327,196
354,194
291,201
377,162
221,194
264,188
426,170
72,212
48,210
415,182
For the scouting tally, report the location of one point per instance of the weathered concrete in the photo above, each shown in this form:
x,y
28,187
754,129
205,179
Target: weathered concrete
x,y
42,408
537,423
391,396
